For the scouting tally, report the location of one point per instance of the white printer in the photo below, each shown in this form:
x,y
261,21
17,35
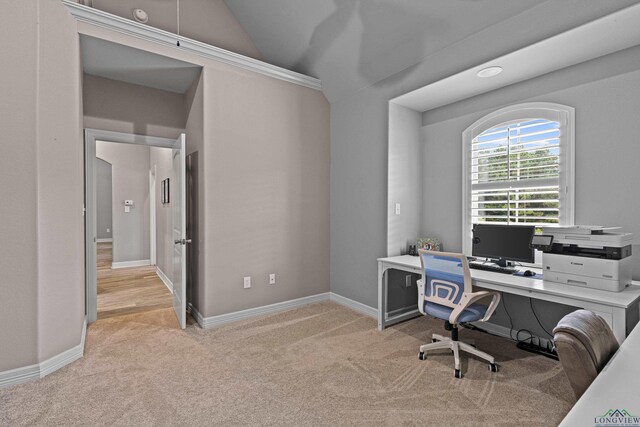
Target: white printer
x,y
587,256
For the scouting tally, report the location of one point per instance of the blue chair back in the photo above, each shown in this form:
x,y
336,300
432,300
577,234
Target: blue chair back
x,y
446,277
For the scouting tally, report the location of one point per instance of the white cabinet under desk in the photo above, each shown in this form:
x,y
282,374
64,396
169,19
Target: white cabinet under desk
x,y
612,306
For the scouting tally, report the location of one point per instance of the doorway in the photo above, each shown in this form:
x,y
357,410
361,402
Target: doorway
x,y
132,283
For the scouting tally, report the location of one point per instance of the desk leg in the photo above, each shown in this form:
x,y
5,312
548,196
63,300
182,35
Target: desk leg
x,y
619,324
382,295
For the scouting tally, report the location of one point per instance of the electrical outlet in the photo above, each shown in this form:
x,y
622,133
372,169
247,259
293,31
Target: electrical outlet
x,y
247,282
272,279
108,230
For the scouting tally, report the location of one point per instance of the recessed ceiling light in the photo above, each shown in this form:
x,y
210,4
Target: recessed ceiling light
x,y
140,16
489,71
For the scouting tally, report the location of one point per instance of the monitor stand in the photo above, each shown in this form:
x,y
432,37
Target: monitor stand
x,y
501,262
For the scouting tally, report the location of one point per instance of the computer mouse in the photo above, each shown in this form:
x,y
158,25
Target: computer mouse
x,y
528,273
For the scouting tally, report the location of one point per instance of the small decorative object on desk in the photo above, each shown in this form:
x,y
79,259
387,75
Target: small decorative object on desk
x,y
429,243
412,250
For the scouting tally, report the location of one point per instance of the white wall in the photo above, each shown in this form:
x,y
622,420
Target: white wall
x,y
130,176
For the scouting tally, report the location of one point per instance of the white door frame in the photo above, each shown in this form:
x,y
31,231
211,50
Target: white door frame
x,y
152,214
90,138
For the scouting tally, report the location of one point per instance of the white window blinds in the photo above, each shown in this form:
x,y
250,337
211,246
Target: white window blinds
x,y
514,172
517,168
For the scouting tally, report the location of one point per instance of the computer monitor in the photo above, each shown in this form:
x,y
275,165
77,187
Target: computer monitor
x,y
503,243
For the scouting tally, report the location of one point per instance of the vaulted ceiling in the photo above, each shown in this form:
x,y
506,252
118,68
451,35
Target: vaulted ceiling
x,y
352,44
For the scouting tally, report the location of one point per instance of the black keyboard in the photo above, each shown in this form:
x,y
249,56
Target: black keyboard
x,y
491,267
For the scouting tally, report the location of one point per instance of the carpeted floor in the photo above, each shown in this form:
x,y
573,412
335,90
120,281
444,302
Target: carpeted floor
x,y
320,365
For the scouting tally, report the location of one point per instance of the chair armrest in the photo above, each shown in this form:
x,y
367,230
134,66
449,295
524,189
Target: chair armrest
x,y
469,298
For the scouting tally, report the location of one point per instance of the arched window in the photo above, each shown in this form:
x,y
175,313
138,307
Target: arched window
x,y
518,168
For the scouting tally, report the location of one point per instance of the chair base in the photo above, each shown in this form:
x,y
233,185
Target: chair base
x,y
440,342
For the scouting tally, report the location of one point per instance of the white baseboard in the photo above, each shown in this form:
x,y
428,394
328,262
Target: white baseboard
x,y
136,263
222,319
107,240
165,279
195,314
42,369
354,305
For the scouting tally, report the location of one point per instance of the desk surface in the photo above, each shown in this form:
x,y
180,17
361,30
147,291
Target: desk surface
x,y
615,388
623,299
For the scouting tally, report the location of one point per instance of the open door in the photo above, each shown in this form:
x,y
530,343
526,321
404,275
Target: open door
x,y
179,206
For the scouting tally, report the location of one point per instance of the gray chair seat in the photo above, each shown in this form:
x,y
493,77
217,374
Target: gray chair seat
x,y
470,314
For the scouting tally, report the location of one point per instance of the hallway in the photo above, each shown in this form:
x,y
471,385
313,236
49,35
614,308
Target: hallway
x,y
128,290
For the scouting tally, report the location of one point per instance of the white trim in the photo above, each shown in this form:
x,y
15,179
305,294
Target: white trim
x,y
126,26
152,215
125,264
222,319
19,375
91,136
195,314
107,240
165,279
354,305
42,369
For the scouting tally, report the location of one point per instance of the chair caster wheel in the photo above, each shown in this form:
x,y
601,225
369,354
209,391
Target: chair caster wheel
x,y
493,367
434,340
457,373
422,355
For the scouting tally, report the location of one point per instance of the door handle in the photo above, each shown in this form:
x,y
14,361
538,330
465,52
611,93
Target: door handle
x,y
182,241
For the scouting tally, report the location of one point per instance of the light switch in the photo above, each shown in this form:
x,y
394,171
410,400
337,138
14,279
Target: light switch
x,y
127,209
397,208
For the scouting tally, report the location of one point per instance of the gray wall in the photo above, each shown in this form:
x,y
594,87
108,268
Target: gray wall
x,y
162,160
606,95
104,213
359,138
264,150
124,107
18,170
41,286
267,190
404,178
130,174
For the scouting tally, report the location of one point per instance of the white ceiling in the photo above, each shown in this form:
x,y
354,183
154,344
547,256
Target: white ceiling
x,y
352,44
603,36
123,63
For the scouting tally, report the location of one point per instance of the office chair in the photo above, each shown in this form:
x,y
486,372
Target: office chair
x,y
584,343
445,292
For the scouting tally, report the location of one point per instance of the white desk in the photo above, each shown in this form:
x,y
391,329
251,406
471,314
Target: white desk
x,y
616,387
612,306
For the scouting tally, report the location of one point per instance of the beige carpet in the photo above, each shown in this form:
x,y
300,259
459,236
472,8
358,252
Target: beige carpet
x,y
320,365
